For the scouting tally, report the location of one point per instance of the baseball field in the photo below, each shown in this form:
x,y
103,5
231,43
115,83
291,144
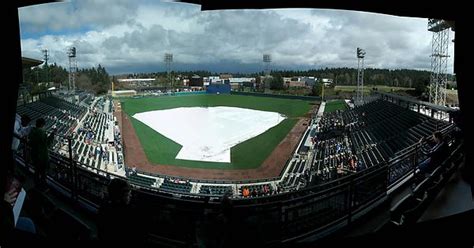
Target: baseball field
x,y
249,154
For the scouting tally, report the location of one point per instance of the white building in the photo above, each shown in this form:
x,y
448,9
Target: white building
x,y
129,80
119,93
241,80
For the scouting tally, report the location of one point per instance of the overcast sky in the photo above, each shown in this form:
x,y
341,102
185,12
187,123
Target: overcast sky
x,y
133,36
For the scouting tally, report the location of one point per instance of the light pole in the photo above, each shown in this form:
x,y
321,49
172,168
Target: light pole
x,y
360,76
322,92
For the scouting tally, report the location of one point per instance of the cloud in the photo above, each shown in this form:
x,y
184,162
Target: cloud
x,y
136,35
74,15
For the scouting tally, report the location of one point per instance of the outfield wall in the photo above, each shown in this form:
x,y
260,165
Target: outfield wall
x,y
309,98
218,88
186,93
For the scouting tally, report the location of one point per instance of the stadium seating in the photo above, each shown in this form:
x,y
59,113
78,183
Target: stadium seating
x,y
141,180
373,133
57,113
214,189
66,116
257,190
176,185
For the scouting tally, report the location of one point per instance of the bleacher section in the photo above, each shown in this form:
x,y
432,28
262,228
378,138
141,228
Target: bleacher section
x,y
56,112
96,123
86,128
141,180
343,143
370,135
214,189
295,176
176,185
256,190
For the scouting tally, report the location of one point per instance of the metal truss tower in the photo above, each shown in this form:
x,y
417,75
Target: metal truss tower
x,y
168,62
267,59
72,68
45,56
360,77
439,60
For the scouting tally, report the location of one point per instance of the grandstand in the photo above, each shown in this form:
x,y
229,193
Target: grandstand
x,y
373,134
57,113
351,161
346,163
341,143
88,126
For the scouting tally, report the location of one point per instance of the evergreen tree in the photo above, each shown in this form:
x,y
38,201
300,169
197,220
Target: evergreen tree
x,y
316,89
276,82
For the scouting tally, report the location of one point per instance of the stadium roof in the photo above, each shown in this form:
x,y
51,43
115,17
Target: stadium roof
x,y
409,99
29,62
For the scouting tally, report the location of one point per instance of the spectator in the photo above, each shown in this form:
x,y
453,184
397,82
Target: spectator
x,y
360,165
338,147
119,221
20,130
245,192
9,198
254,193
40,143
353,163
266,189
13,187
436,154
340,170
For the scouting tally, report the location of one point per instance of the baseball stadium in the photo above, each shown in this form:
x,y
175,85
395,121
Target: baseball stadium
x,y
225,160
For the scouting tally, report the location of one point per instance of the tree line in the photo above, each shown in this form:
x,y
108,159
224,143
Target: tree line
x,y
340,76
97,80
94,79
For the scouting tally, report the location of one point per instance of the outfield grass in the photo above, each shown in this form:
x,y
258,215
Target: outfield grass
x,y
246,155
335,105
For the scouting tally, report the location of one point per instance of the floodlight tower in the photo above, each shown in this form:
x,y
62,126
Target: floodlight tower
x,y
46,57
439,60
360,76
267,59
72,68
168,61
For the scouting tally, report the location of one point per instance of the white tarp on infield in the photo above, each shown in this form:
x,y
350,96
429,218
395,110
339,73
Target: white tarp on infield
x,y
207,134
